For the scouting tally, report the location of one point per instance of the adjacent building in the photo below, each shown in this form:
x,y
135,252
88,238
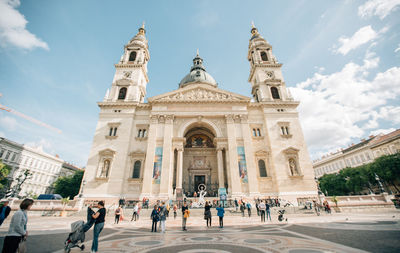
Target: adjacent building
x,y
44,168
358,154
198,136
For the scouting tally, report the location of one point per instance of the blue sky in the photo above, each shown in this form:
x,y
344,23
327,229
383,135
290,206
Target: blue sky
x,y
341,59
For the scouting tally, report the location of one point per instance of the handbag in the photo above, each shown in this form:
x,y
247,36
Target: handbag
x,y
22,246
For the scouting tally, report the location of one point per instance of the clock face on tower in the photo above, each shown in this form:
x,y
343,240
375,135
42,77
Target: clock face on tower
x,y
270,74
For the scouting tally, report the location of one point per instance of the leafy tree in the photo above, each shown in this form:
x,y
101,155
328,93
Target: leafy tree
x,y
69,186
18,182
4,171
388,169
333,184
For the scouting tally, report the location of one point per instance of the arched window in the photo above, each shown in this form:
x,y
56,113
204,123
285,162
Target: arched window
x,y
122,93
132,56
136,169
261,167
275,93
264,56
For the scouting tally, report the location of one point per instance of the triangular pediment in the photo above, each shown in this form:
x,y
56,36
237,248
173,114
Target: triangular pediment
x,y
196,93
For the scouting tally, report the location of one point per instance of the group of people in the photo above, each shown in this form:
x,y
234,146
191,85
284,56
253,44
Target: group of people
x,y
208,216
161,212
119,213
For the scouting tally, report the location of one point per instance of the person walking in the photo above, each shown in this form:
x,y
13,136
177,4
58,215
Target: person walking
x,y
220,213
248,205
4,211
154,218
207,213
185,215
262,208
163,216
98,225
175,208
268,211
236,205
118,212
17,230
135,212
242,207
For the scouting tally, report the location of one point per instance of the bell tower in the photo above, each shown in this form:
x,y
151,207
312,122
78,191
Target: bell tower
x,y
130,79
265,72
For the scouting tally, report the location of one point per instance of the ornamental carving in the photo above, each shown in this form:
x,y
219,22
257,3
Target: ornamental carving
x,y
199,95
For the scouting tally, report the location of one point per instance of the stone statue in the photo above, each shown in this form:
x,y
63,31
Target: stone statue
x,y
106,167
293,167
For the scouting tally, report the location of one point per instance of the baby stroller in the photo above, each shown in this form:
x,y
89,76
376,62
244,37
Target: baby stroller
x,y
77,234
280,216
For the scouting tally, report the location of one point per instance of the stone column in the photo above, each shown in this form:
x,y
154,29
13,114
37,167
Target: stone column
x,y
235,184
179,171
149,162
221,181
167,162
249,154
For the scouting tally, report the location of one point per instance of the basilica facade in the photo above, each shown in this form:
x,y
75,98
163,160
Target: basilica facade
x,y
198,135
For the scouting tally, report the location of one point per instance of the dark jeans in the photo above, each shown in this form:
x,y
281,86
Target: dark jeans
x,y
134,216
11,244
249,211
263,215
268,215
221,221
154,226
117,218
208,221
96,232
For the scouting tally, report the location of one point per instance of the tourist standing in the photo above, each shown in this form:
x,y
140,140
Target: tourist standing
x,y
98,225
242,207
262,207
4,211
248,205
175,208
268,211
185,215
207,213
117,214
17,230
154,217
220,213
258,209
135,211
163,216
236,205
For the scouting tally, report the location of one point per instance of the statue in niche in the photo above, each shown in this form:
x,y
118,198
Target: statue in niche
x,y
105,169
293,167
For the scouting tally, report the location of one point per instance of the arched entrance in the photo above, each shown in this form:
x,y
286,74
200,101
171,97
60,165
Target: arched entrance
x,y
199,161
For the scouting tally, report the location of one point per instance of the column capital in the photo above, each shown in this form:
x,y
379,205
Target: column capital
x,y
244,118
169,119
180,149
229,118
154,118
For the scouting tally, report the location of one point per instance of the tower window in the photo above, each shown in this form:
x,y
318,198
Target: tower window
x,y
264,56
141,133
122,93
136,169
262,168
113,131
275,93
132,56
256,132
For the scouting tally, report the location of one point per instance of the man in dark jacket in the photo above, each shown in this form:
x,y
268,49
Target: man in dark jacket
x,y
4,211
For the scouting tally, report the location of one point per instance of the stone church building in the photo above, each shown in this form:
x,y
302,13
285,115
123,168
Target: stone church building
x,y
198,135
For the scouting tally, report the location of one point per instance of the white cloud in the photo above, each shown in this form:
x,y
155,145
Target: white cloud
x,y
362,36
397,49
8,122
382,131
380,8
336,108
42,145
13,28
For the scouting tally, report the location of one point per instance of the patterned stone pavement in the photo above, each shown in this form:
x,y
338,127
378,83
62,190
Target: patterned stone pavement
x,y
308,233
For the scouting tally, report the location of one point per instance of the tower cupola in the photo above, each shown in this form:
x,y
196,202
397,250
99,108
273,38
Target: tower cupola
x,y
198,74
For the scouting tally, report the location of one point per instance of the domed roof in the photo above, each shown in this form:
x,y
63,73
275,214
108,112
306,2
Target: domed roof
x,y
197,74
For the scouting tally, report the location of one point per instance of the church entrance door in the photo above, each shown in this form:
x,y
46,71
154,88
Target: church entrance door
x,y
199,180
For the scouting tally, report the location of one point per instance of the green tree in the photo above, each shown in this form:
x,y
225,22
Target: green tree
x,y
333,185
69,186
4,171
388,169
18,182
